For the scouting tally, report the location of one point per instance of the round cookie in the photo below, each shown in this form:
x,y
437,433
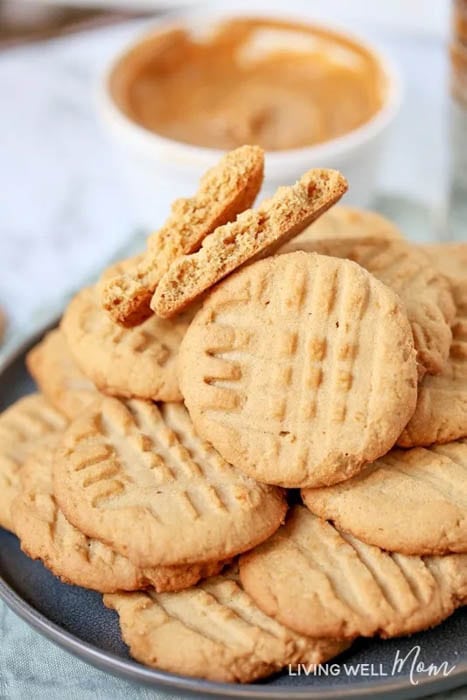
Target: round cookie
x,y
414,501
324,583
58,376
140,480
27,423
451,260
212,631
46,534
408,271
300,369
128,362
349,222
441,412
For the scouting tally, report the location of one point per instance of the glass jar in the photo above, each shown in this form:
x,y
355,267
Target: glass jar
x,y
457,205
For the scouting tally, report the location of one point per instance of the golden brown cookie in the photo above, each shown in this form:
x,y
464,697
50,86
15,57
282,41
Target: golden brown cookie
x,y
212,631
299,369
413,501
140,480
224,191
349,222
57,375
255,234
120,361
408,271
451,260
117,269
324,583
22,426
441,413
46,534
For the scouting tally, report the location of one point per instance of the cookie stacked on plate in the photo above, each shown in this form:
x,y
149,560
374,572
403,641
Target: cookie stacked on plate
x,y
249,351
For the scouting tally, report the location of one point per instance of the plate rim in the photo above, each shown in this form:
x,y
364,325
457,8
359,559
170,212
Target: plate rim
x,y
133,671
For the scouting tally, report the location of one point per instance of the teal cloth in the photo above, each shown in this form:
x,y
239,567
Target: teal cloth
x,y
33,668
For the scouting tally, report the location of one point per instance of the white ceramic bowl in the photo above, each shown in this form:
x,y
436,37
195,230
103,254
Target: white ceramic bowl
x,y
158,169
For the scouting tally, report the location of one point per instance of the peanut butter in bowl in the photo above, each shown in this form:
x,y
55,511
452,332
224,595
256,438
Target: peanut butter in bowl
x,y
281,85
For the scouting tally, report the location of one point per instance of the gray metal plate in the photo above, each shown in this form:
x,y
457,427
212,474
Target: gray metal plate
x,y
77,620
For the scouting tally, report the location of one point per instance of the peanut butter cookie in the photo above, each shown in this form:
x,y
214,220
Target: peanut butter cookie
x,y
224,191
125,362
349,222
408,271
441,413
451,260
255,234
23,425
300,369
57,375
323,583
414,501
212,631
46,534
140,480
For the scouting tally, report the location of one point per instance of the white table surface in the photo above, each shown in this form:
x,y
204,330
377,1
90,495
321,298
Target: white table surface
x,y
64,212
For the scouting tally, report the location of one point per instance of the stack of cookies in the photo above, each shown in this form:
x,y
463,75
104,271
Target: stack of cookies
x,y
245,352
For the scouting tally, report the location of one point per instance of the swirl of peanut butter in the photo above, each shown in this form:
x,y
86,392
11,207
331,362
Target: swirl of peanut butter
x,y
277,84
